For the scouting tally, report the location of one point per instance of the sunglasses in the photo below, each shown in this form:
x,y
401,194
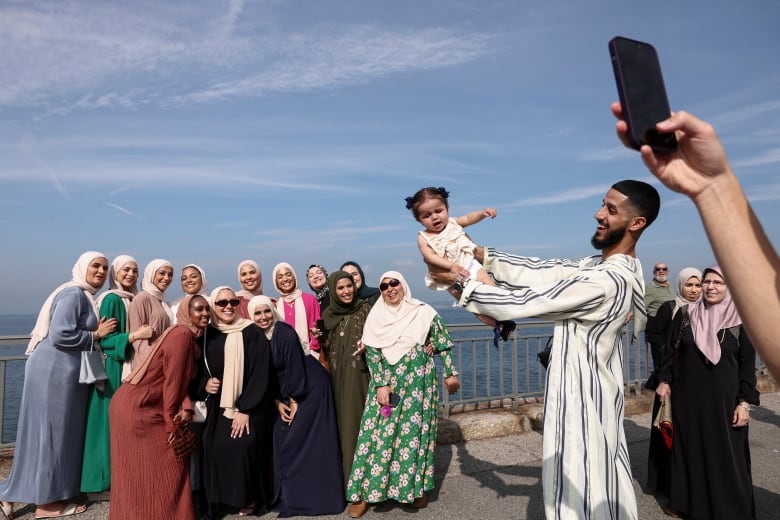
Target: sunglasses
x,y
392,283
224,303
662,269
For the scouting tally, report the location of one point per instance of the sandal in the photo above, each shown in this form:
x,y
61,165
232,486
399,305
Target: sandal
x,y
70,509
7,509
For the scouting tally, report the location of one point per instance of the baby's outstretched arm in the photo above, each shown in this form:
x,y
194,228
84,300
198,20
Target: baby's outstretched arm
x,y
475,216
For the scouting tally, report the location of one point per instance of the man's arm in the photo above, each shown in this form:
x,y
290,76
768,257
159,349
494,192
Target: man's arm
x,y
573,297
700,170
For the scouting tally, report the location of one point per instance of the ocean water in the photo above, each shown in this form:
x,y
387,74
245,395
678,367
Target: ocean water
x,y
483,369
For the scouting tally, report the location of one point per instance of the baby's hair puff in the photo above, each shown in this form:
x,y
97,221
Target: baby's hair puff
x,y
424,194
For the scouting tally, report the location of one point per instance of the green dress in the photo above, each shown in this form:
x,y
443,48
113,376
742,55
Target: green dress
x,y
350,377
394,455
96,467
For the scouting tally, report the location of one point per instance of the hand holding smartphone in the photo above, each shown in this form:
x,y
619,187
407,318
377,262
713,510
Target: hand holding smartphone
x,y
642,93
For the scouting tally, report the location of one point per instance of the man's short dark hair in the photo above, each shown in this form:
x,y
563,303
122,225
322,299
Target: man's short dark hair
x,y
643,197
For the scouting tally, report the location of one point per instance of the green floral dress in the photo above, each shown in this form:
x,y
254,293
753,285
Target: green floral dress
x,y
394,455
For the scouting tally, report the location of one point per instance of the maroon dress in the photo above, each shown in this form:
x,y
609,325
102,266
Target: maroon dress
x,y
146,479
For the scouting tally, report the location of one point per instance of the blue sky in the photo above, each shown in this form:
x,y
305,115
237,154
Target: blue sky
x,y
213,131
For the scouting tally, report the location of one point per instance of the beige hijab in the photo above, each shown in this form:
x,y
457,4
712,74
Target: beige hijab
x,y
233,375
243,293
396,330
79,272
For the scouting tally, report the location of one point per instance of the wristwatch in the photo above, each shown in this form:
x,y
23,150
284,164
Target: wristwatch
x,y
459,284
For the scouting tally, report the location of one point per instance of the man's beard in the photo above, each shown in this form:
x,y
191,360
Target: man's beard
x,y
613,237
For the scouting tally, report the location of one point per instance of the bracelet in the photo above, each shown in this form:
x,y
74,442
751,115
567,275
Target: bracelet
x,y
745,405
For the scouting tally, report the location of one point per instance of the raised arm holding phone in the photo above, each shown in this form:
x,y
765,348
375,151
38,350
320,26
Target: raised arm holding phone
x,y
700,169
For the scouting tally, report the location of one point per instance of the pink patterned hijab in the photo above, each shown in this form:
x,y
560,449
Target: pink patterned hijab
x,y
707,320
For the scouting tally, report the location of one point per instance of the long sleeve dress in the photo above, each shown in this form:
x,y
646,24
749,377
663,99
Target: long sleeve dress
x,y
233,470
394,455
146,479
710,462
586,470
146,309
350,378
311,442
52,415
96,470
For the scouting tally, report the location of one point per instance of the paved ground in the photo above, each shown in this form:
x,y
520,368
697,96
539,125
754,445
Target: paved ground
x,y
500,478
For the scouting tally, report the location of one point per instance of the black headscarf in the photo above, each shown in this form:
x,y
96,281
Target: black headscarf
x,y
338,309
365,292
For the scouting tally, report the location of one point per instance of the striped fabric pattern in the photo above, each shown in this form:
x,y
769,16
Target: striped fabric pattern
x,y
586,471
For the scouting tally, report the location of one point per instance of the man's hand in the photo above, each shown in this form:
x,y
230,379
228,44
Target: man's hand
x,y
698,161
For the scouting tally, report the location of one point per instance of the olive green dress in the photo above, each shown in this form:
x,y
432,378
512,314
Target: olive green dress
x,y
394,455
350,380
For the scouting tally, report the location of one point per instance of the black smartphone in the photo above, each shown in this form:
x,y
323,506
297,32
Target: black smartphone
x,y
642,93
394,400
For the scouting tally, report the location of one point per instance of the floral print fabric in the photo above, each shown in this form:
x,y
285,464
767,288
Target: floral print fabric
x,y
394,455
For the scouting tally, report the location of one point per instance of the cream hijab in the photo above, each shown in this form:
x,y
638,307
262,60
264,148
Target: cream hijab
x,y
396,330
243,292
301,324
685,275
256,302
147,283
233,375
115,287
204,287
79,273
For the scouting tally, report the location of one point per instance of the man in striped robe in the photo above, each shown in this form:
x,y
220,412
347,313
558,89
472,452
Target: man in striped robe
x,y
585,471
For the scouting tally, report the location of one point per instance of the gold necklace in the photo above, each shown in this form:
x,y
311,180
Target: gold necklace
x,y
341,332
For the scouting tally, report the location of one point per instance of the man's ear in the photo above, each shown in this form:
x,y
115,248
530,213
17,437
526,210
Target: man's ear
x,y
638,224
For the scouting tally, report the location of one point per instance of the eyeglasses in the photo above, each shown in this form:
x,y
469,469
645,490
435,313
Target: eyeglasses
x,y
392,283
714,283
662,269
224,303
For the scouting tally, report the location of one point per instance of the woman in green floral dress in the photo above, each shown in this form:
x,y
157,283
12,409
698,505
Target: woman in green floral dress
x,y
395,448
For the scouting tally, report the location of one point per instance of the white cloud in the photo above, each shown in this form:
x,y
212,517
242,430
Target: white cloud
x,y
562,197
87,55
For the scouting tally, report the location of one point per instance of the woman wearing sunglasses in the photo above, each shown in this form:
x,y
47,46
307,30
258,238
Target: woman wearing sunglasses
x,y
233,378
711,376
395,449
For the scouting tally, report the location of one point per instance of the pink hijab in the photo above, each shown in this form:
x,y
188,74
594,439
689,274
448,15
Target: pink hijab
x,y
707,320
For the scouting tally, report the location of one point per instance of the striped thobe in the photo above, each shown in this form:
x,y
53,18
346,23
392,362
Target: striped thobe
x,y
585,471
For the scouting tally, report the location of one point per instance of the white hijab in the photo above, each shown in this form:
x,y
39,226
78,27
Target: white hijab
x,y
301,324
114,286
79,272
396,330
147,284
256,302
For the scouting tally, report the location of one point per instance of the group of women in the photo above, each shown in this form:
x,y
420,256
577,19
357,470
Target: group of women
x,y
311,401
708,371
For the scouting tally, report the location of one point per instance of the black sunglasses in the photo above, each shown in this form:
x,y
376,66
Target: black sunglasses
x,y
661,268
224,303
392,283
